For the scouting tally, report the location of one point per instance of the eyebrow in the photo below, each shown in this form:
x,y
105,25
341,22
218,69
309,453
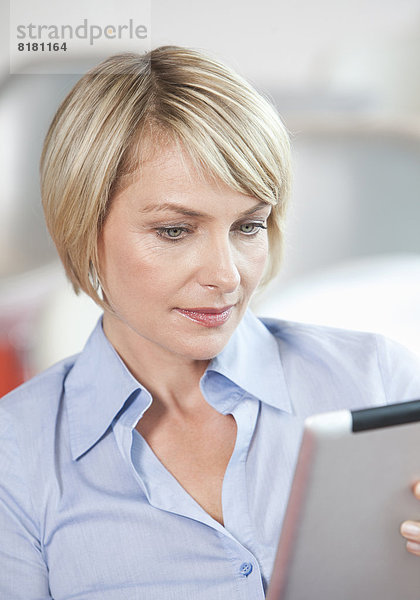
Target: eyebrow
x,y
184,210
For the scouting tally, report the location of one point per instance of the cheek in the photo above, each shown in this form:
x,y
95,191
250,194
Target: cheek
x,y
254,262
133,269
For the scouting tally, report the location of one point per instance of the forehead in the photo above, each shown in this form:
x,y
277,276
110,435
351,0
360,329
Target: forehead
x,y
156,151
166,174
171,161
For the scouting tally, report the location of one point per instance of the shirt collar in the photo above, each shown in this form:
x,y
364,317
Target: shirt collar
x,y
97,388
99,384
251,360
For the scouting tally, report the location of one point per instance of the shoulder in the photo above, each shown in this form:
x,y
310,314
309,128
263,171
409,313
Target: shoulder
x,y
30,416
356,359
321,342
36,401
45,383
309,337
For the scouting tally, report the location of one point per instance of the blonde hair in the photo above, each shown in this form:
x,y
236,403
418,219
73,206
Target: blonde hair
x,y
95,139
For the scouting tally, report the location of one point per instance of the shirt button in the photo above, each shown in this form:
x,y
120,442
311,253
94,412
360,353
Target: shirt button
x,y
245,568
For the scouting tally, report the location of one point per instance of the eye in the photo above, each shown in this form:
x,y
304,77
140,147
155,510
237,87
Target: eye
x,y
251,228
174,232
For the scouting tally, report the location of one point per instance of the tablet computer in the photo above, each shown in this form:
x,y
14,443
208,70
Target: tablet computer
x,y
351,491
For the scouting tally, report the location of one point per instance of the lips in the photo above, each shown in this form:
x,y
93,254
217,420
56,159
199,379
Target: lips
x,y
208,317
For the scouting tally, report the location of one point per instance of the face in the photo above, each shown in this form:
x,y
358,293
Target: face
x,y
179,259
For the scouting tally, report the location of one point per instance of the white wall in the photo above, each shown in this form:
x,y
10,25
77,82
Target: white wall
x,y
327,44
301,44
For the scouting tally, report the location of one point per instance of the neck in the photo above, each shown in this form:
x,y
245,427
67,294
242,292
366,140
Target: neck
x,y
173,380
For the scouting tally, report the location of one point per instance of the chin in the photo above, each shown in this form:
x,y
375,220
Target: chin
x,y
206,349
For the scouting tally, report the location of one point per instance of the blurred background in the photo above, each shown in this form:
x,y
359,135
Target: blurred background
x,y
345,76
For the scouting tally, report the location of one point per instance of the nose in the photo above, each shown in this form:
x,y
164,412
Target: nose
x,y
218,268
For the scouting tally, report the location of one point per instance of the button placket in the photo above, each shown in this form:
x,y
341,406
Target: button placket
x,y
234,493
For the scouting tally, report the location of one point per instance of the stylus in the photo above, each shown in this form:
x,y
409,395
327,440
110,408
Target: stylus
x,y
386,416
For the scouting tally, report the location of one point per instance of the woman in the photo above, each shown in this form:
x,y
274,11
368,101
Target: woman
x,y
157,463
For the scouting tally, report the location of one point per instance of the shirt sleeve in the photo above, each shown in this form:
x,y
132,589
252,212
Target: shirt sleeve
x,y
400,370
23,572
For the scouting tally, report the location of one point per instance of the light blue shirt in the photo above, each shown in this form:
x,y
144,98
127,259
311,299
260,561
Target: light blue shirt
x,y
87,511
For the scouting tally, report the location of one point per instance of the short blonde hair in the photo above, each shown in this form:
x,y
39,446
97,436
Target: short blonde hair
x,y
95,139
